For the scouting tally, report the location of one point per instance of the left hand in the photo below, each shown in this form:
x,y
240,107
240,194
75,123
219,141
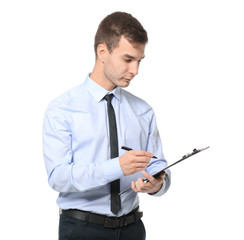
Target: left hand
x,y
153,186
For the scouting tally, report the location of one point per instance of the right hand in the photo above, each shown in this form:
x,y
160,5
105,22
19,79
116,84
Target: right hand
x,y
134,161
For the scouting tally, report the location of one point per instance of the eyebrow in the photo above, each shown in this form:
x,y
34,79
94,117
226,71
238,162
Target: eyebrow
x,y
129,56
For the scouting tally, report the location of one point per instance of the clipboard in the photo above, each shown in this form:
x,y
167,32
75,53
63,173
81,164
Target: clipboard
x,y
195,151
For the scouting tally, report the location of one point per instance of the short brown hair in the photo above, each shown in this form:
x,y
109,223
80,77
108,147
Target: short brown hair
x,y
116,25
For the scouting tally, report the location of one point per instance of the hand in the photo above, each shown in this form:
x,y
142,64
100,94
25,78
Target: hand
x,y
153,186
134,161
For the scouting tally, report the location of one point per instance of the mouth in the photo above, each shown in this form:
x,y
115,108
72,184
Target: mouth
x,y
128,79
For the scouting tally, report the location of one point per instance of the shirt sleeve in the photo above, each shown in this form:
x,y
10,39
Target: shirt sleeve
x,y
63,174
155,146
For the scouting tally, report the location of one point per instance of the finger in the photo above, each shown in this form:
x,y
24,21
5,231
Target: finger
x,y
139,186
140,159
133,186
142,186
162,176
141,166
149,177
142,153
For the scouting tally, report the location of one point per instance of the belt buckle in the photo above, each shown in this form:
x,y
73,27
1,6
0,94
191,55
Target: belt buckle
x,y
123,222
110,223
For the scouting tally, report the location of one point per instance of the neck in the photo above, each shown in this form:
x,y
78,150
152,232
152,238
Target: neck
x,y
99,77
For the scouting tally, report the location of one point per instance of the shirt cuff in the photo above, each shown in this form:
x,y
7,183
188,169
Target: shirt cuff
x,y
111,169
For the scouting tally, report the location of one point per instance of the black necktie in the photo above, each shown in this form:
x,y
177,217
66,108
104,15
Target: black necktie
x,y
115,185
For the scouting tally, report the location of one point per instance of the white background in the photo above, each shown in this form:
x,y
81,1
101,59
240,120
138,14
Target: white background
x,y
191,76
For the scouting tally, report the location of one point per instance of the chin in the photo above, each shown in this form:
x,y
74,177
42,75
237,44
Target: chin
x,y
125,84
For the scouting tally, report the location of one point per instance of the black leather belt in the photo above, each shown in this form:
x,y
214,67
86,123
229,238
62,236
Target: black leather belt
x,y
107,222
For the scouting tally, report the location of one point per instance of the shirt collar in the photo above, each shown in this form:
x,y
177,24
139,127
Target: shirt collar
x,y
99,92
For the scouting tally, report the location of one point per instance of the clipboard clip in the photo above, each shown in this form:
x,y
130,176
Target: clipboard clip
x,y
195,151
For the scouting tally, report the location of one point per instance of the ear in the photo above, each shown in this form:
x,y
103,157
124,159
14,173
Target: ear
x,y
102,52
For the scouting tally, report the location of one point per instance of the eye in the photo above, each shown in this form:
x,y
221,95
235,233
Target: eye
x,y
127,60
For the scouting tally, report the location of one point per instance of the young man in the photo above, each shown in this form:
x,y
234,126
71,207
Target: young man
x,y
83,132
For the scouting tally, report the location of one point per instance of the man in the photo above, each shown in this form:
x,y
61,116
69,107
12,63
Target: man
x,y
84,130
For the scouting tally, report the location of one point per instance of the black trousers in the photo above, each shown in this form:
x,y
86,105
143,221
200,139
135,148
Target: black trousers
x,y
74,229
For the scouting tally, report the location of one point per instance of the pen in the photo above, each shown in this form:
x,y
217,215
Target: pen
x,y
129,149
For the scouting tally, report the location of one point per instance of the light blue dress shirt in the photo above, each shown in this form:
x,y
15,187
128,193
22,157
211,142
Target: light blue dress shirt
x,y
77,149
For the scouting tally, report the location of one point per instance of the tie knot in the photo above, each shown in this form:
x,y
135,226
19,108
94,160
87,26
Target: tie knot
x,y
108,97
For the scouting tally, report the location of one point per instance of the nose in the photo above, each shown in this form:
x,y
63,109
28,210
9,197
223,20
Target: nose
x,y
134,67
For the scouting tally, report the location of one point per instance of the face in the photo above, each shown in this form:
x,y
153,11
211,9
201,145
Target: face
x,y
122,65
